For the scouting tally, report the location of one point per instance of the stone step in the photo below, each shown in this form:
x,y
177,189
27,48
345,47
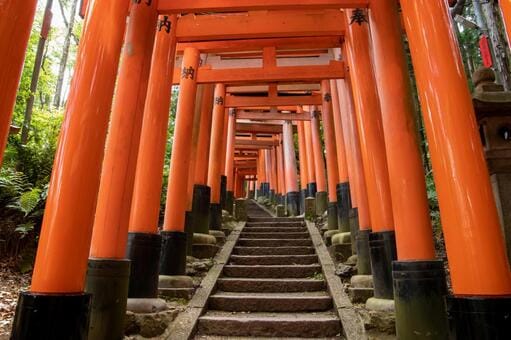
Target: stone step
x,y
274,219
275,229
273,259
317,325
289,285
213,337
272,271
273,250
272,235
254,242
275,224
270,302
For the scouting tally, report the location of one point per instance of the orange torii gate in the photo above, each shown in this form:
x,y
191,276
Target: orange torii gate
x,y
104,199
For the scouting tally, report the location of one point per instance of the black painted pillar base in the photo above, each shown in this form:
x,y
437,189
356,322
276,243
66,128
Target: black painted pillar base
x,y
382,247
173,253
200,208
344,206
312,189
229,202
479,317
265,188
280,199
332,216
363,253
419,292
189,232
251,194
51,316
272,196
223,191
293,203
143,250
107,281
354,228
259,193
215,216
303,196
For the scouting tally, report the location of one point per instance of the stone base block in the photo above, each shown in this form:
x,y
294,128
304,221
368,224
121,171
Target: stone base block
x,y
203,239
380,305
362,281
219,235
145,306
327,236
176,293
175,281
205,251
342,238
281,211
360,295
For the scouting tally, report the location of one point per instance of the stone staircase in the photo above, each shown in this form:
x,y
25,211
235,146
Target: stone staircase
x,y
271,287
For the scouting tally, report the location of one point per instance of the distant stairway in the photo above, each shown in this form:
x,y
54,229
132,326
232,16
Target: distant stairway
x,y
272,286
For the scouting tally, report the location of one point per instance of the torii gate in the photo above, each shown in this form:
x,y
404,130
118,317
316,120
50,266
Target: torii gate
x,y
96,206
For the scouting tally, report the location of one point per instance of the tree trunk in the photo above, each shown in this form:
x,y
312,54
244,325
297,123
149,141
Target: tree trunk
x,y
57,101
37,70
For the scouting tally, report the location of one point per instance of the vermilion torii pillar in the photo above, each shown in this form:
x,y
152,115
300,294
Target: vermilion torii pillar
x,y
417,310
201,191
223,178
273,171
480,273
331,154
16,18
360,221
264,185
173,255
343,188
304,171
292,193
280,175
373,154
108,272
144,242
229,160
505,6
311,170
56,307
319,163
216,150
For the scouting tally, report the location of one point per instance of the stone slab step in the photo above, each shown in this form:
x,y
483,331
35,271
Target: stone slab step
x,y
273,250
269,285
255,242
275,219
276,235
317,325
293,271
275,224
270,302
273,259
213,337
274,229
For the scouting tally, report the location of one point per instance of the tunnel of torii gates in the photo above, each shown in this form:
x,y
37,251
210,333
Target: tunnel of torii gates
x,y
251,75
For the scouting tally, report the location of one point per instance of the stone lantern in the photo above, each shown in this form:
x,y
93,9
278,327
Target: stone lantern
x,y
493,112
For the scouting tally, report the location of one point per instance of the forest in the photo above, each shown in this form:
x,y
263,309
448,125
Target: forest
x,y
42,96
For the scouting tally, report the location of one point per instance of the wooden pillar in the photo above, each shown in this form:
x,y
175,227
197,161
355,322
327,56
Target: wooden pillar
x,y
372,142
56,295
304,171
216,150
273,171
223,178
292,193
107,264
319,163
475,246
144,242
280,173
173,259
331,154
229,163
311,170
505,6
344,204
16,18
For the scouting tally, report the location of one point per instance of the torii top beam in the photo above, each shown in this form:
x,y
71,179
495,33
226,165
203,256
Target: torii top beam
x,y
201,6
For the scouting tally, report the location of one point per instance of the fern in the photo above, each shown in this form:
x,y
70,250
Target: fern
x,y
27,202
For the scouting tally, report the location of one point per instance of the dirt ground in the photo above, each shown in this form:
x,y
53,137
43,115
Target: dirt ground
x,y
11,283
